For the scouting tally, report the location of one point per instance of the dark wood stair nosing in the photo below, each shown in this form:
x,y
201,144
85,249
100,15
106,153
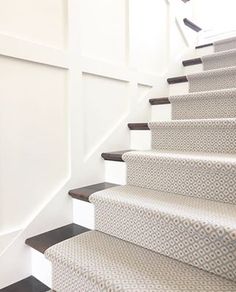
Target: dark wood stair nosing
x,y
191,25
190,62
114,156
158,101
204,46
179,79
43,241
83,193
138,126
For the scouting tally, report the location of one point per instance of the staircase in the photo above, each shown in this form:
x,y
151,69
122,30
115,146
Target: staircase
x,y
172,227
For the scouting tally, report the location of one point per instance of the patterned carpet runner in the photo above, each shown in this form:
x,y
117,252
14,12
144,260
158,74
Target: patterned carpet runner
x,y
173,226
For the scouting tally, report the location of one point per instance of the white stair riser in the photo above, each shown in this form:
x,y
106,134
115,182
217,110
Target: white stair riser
x,y
178,88
212,138
41,267
215,181
115,172
140,139
83,214
204,51
193,69
161,112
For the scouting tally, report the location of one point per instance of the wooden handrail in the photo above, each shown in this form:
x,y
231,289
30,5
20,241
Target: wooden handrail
x,y
191,25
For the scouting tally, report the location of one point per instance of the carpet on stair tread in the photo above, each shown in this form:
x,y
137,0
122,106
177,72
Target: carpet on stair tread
x,y
225,44
195,231
204,105
212,79
204,135
219,60
201,175
95,261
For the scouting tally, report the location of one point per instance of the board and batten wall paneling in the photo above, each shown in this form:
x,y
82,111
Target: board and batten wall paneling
x,y
43,21
33,139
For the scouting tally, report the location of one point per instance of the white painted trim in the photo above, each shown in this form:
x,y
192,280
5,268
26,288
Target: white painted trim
x,y
26,50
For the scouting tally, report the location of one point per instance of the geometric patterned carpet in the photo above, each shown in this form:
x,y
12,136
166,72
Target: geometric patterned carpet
x,y
173,226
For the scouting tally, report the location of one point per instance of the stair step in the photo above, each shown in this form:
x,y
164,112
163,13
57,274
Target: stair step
x,y
138,126
212,80
204,135
179,79
114,155
45,240
219,60
204,46
190,62
202,175
181,227
30,284
95,261
84,192
160,100
204,105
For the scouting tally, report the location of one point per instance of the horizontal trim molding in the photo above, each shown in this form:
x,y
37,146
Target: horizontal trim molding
x,y
29,51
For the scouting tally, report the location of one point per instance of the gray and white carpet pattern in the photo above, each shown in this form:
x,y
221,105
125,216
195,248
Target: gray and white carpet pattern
x,y
180,227
189,175
177,211
212,80
219,60
94,262
210,135
225,44
204,105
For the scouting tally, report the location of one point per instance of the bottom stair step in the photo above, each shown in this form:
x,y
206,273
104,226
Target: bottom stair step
x,y
45,240
94,261
195,231
30,284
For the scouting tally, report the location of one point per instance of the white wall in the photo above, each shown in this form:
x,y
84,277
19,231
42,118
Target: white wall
x,y
217,15
82,69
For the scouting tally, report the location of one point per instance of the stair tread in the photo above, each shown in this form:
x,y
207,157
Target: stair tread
x,y
29,284
197,209
116,264
114,155
84,192
138,126
45,240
